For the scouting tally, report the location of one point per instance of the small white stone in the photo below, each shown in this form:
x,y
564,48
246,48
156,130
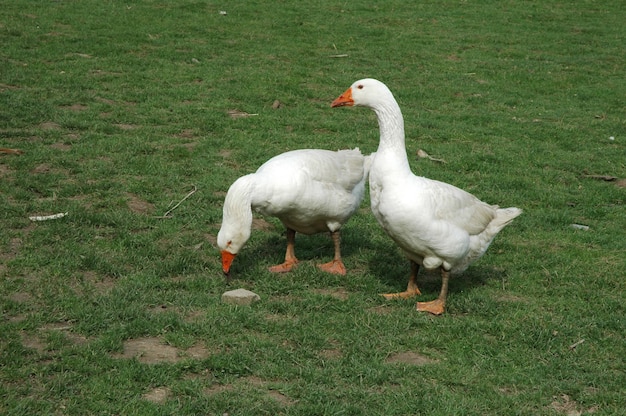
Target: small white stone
x,y
240,297
612,138
580,227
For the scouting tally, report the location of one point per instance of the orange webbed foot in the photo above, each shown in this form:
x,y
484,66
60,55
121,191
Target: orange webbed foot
x,y
285,267
409,293
436,307
334,267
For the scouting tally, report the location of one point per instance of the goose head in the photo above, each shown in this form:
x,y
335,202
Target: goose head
x,y
230,240
367,92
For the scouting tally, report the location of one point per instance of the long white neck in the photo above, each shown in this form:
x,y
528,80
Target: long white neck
x,y
237,213
391,125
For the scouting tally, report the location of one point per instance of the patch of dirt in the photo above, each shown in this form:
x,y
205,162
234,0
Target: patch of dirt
x,y
43,168
621,183
188,315
5,171
32,342
10,252
211,238
158,395
380,310
254,380
105,101
274,394
138,205
194,316
277,317
286,298
49,125
197,352
567,406
186,134
160,309
124,126
102,284
201,376
17,318
56,326
66,329
72,136
331,354
76,338
511,298
217,388
261,225
189,146
61,146
410,358
75,107
21,297
507,391
337,293
281,398
225,153
83,199
150,350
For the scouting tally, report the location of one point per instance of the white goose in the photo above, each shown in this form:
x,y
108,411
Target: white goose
x,y
436,224
309,191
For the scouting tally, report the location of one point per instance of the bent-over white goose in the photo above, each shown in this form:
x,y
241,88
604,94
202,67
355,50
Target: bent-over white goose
x,y
308,190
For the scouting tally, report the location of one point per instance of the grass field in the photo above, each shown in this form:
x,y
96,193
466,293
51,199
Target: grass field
x,y
122,109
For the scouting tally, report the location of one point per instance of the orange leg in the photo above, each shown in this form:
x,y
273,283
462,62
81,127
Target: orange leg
x,y
437,306
290,255
336,266
411,289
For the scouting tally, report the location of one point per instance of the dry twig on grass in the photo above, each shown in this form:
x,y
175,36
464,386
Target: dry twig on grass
x,y
576,344
423,155
239,114
48,217
6,151
607,178
167,214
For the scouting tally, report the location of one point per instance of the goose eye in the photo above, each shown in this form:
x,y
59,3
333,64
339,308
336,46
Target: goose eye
x,y
360,86
229,243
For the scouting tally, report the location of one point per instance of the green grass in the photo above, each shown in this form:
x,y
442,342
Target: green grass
x,y
121,109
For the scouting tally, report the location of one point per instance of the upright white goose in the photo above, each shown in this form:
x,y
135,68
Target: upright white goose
x,y
436,224
309,191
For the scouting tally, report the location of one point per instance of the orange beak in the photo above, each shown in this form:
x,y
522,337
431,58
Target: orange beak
x,y
344,99
227,260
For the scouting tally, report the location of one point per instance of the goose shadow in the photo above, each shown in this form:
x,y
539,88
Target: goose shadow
x,y
383,259
393,268
267,248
